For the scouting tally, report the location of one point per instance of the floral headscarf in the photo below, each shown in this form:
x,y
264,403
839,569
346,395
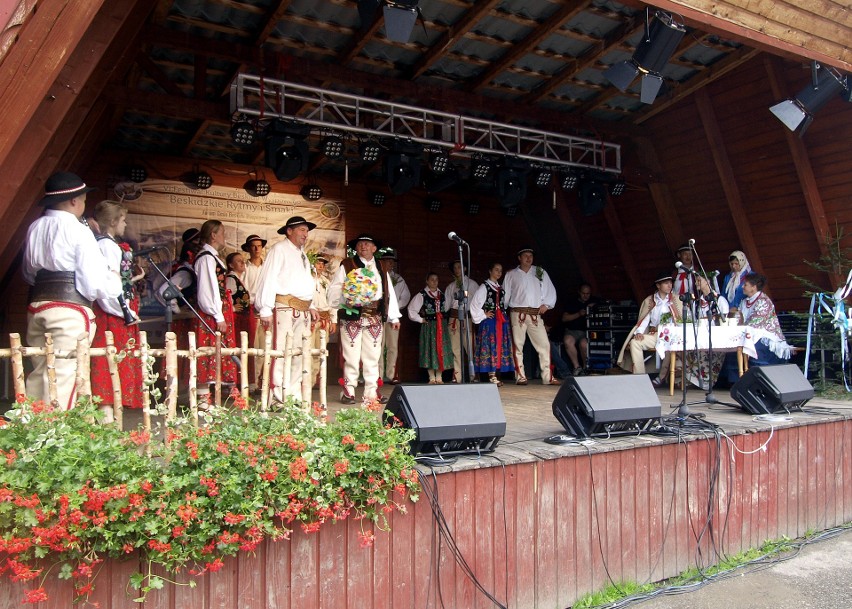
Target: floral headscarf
x,y
736,279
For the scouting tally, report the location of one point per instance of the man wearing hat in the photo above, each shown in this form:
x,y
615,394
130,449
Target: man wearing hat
x,y
529,294
254,248
460,287
327,314
659,308
390,335
67,272
361,278
285,304
684,283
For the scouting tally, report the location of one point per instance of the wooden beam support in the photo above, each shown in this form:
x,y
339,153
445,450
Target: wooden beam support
x,y
627,256
31,70
575,241
727,177
661,196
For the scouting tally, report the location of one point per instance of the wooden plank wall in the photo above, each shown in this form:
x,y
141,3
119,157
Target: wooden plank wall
x,y
538,535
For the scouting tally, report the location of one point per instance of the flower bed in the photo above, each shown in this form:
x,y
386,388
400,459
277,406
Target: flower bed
x,y
73,491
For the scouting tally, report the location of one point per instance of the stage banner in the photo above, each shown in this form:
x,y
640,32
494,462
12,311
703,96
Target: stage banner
x,y
160,211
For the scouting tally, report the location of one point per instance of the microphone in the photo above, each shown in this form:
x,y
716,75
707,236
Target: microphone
x,y
679,265
149,250
454,237
691,242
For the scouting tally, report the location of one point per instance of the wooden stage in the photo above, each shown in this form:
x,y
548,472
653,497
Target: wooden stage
x,y
538,524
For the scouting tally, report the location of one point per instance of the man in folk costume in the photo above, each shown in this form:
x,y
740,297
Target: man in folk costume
x,y
529,293
327,314
390,336
363,291
253,246
460,287
285,304
67,272
684,281
661,307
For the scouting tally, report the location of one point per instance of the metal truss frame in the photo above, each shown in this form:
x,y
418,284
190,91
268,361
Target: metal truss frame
x,y
333,111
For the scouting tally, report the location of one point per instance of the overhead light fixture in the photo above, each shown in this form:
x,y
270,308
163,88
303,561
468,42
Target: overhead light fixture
x,y
436,183
311,192
510,212
617,187
481,168
377,198
798,113
400,18
332,146
198,179
592,197
258,188
439,161
137,173
569,180
287,148
473,208
369,151
662,35
242,132
512,182
433,205
543,177
402,166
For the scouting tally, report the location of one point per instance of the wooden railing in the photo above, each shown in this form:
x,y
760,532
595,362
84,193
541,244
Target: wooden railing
x,y
148,360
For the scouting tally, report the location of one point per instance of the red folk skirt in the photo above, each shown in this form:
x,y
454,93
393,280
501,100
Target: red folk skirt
x,y
129,368
207,364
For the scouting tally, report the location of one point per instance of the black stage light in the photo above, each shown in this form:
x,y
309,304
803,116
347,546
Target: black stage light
x,y
258,188
311,192
332,146
592,195
400,17
543,177
439,161
650,57
402,166
473,208
512,182
617,187
242,132
798,113
569,180
481,168
433,205
137,173
287,148
377,198
369,151
198,179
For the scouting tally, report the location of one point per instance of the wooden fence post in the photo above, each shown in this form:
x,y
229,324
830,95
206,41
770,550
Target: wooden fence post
x,y
115,380
193,379
50,363
171,374
17,364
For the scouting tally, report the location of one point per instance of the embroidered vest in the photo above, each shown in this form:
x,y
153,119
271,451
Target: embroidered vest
x,y
429,310
241,294
491,299
349,265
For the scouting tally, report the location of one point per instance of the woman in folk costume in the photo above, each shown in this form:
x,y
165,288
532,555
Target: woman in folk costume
x,y
110,314
660,308
427,308
488,309
240,296
215,306
732,284
758,311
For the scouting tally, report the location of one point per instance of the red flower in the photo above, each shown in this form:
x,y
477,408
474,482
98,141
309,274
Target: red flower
x,y
341,467
347,439
362,448
140,437
232,518
298,468
367,538
37,595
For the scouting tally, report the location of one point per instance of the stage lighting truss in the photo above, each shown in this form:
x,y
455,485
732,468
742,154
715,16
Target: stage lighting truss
x,y
464,136
243,131
377,198
369,151
332,146
662,36
311,192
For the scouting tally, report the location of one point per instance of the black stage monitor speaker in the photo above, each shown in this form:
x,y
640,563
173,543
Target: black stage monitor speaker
x,y
767,389
607,405
450,419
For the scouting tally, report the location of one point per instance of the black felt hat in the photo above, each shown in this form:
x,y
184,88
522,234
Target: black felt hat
x,y
63,186
364,237
249,239
665,275
294,222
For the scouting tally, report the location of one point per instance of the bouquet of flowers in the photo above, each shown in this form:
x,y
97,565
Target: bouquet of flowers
x,y
359,289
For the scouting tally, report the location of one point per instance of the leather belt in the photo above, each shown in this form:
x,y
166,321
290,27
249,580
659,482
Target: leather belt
x,y
57,286
325,314
293,302
526,310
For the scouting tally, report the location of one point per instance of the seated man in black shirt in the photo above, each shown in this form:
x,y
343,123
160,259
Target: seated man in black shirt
x,y
574,318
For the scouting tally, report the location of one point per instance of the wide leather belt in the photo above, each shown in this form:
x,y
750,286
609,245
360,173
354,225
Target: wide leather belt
x,y
526,310
292,302
57,286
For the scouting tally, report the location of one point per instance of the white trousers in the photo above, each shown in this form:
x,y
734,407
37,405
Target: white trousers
x,y
361,345
66,322
456,340
387,364
523,325
296,324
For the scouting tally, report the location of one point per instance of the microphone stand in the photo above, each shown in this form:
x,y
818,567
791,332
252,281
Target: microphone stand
x,y
464,325
683,407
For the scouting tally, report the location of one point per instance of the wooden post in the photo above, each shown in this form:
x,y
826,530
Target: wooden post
x,y
244,379
146,394
193,379
288,364
83,376
171,373
115,380
323,373
264,391
17,364
50,363
306,380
